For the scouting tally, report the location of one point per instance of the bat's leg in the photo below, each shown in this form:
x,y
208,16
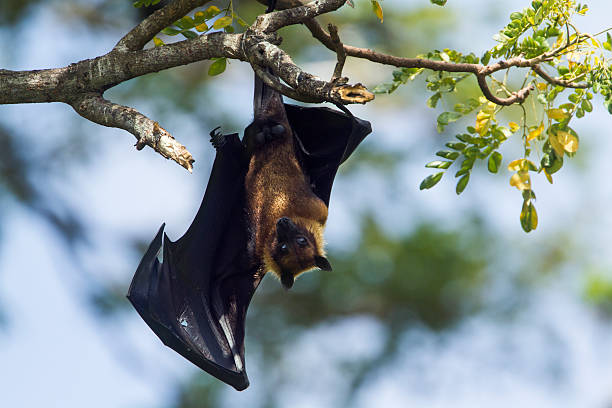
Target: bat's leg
x,y
271,6
259,133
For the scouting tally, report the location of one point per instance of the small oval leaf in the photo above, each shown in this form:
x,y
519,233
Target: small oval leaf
x,y
462,183
495,162
217,67
222,22
431,180
529,216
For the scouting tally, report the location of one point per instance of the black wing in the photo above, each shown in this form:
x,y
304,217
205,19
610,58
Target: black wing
x,y
326,138
195,299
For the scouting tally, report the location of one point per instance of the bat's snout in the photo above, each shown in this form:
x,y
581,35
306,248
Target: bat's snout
x,y
285,229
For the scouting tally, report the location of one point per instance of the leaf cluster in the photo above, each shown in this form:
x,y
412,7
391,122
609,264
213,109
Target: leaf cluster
x,y
545,36
202,22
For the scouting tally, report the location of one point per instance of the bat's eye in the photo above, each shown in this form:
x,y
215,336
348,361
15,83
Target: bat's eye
x,y
284,248
301,241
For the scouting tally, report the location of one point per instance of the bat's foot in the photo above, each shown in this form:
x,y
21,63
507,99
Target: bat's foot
x,y
271,6
217,139
269,132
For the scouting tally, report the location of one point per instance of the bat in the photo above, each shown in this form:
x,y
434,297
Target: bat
x,y
194,292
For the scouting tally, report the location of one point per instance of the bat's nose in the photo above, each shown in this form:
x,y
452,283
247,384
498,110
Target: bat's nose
x,y
285,229
284,221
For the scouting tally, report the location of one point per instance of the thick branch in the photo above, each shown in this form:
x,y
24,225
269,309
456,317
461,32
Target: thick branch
x,y
157,21
308,85
101,73
82,84
271,22
94,107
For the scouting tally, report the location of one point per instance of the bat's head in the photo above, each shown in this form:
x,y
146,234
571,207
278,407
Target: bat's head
x,y
298,248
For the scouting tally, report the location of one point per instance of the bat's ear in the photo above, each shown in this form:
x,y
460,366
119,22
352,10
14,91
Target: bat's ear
x,y
321,262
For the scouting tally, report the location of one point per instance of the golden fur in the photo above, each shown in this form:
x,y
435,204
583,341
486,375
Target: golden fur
x,y
277,187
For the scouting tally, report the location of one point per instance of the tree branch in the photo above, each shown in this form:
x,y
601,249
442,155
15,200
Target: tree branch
x,y
264,53
479,70
82,84
94,107
339,47
271,22
556,81
101,73
157,21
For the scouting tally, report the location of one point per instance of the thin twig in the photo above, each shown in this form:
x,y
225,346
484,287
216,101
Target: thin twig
x,y
333,32
557,81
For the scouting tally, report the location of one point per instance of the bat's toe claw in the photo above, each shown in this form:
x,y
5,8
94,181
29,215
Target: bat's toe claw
x,y
217,139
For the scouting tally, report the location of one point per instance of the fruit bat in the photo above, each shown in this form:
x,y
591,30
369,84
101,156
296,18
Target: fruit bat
x,y
194,292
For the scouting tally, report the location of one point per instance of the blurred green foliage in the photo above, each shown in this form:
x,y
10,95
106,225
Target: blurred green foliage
x,y
12,11
598,291
432,276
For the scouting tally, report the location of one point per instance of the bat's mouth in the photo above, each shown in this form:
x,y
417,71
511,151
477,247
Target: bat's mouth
x,y
287,279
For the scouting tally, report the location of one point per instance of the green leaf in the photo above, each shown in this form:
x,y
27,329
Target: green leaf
x,y
189,34
439,2
211,12
447,155
185,23
494,162
608,44
222,22
431,180
462,171
217,67
199,17
433,100
462,183
202,27
439,164
587,106
455,146
170,31
529,217
447,117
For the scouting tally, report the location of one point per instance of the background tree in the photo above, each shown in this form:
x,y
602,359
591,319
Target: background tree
x,y
402,286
